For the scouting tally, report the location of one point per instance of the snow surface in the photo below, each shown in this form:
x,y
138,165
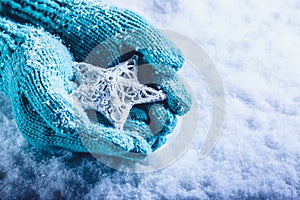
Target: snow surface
x,y
255,47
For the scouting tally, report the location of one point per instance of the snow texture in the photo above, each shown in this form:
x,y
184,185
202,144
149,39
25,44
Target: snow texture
x,y
255,47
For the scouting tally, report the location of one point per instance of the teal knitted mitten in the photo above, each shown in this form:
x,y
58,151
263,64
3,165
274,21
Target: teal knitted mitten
x,y
104,36
36,73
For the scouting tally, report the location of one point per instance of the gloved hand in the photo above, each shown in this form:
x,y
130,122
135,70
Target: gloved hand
x,y
107,33
36,73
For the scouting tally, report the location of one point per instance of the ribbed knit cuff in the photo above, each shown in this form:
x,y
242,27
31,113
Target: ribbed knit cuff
x,y
50,14
12,35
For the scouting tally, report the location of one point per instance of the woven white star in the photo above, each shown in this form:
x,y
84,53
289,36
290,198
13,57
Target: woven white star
x,y
113,91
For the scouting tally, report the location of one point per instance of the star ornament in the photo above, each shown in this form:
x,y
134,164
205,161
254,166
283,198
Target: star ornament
x,y
113,91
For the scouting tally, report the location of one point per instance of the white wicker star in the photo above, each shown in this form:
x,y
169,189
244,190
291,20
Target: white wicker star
x,y
113,91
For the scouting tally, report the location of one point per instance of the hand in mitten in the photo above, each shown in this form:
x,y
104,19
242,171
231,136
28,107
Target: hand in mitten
x,y
37,75
104,36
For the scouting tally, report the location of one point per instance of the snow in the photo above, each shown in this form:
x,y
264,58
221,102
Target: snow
x,y
255,47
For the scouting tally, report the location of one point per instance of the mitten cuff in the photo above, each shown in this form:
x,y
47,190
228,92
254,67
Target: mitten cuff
x,y
50,14
10,38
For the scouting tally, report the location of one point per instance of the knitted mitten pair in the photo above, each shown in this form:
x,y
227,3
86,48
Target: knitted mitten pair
x,y
37,74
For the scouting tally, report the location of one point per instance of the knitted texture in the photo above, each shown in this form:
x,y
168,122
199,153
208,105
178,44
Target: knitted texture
x,y
37,76
83,28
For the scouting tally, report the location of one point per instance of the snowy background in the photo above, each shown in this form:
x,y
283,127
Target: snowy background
x,y
255,46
